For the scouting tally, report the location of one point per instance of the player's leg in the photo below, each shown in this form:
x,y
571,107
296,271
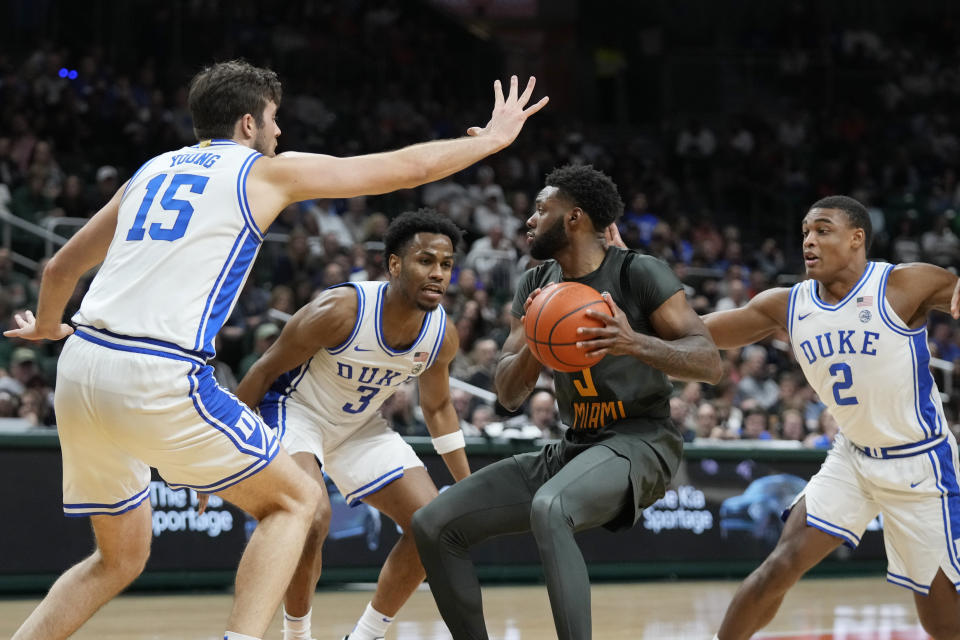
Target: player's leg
x,y
123,545
402,571
493,501
800,548
298,599
939,611
589,491
284,499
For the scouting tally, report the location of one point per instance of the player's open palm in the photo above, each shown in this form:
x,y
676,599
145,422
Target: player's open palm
x,y
616,337
509,113
29,330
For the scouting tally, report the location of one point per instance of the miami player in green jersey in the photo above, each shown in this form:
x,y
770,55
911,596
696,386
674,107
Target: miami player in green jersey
x,y
603,471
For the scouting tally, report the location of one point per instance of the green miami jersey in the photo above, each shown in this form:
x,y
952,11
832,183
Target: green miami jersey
x,y
617,387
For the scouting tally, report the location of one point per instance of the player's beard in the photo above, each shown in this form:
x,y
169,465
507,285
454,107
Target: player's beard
x,y
264,143
548,243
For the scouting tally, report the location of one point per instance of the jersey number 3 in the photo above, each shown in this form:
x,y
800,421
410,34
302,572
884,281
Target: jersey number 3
x,y
841,370
168,202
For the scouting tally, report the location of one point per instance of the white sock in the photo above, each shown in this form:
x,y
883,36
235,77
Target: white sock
x,y
233,635
295,628
715,637
371,625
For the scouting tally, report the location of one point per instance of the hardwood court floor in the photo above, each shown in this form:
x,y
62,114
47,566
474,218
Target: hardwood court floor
x,y
816,609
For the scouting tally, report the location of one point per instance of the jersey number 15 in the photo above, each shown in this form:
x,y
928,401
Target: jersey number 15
x,y
168,202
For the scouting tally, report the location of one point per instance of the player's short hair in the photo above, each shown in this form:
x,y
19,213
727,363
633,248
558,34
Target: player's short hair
x,y
856,213
224,92
401,230
590,190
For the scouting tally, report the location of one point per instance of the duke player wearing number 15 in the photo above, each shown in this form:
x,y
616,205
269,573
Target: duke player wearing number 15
x,y
859,331
621,448
177,242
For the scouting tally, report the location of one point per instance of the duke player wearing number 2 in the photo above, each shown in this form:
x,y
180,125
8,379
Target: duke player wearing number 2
x,y
621,448
858,330
322,384
133,388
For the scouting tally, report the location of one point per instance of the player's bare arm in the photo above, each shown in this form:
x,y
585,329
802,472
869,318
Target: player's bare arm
x,y
438,411
517,369
917,288
85,250
763,316
682,347
325,322
293,177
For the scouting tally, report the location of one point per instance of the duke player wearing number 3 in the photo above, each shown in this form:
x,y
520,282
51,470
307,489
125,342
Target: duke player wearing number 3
x,y
133,388
323,381
858,330
621,448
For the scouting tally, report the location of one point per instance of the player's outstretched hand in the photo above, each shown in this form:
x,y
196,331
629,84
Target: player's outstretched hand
x,y
509,113
29,330
616,337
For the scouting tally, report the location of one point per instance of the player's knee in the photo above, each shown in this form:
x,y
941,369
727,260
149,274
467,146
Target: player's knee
x,y
124,564
320,526
426,525
546,513
779,571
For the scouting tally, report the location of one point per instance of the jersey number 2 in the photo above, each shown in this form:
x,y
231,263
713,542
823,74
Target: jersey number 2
x,y
842,371
168,202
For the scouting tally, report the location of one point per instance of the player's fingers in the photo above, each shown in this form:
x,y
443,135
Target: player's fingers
x,y
497,94
475,131
12,333
599,315
512,96
528,91
65,330
529,111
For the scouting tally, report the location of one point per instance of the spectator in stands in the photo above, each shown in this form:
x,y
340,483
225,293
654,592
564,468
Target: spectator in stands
x,y
708,423
792,426
940,245
755,384
755,425
683,418
827,429
72,201
492,257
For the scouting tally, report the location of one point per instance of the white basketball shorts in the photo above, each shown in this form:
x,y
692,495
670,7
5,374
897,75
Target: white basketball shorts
x,y
359,462
918,498
127,404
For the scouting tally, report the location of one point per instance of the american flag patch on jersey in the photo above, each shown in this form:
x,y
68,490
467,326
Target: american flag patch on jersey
x,y
865,301
420,356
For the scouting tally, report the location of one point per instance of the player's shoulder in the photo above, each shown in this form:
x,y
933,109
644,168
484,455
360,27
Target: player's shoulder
x,y
341,299
546,271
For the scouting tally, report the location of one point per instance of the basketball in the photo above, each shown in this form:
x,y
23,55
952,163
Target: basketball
x,y
552,321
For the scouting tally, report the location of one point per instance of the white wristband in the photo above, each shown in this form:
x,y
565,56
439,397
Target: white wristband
x,y
449,442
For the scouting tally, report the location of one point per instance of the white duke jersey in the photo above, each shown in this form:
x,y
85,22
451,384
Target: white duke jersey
x,y
867,366
346,385
184,245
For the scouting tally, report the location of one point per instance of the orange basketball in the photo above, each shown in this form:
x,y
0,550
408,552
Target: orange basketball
x,y
552,321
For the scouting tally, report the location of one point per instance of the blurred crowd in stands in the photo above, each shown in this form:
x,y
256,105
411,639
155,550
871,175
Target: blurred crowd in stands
x,y
889,140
